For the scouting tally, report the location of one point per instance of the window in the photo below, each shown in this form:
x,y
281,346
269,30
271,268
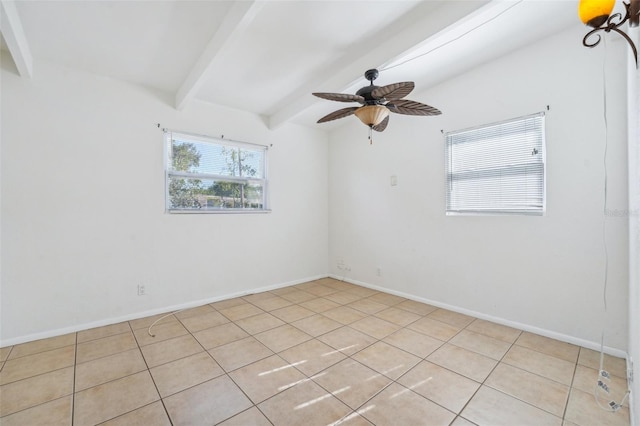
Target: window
x,y
206,174
497,168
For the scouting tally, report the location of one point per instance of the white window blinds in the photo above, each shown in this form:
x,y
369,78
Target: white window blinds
x,y
497,168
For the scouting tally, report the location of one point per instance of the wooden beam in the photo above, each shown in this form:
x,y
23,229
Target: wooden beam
x,y
422,23
235,23
13,34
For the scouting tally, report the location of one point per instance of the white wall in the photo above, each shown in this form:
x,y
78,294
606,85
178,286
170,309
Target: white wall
x,y
83,210
543,273
634,226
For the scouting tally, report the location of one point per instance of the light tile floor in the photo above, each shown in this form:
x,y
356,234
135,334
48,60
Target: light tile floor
x,y
318,353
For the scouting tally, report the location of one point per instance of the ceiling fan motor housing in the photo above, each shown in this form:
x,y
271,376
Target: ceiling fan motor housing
x,y
365,92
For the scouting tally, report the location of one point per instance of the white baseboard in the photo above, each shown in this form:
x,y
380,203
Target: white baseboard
x,y
138,315
618,353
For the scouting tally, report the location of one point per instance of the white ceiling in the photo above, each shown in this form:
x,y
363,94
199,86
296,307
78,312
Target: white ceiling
x,y
266,57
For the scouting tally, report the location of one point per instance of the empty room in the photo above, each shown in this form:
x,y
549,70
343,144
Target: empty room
x,y
331,212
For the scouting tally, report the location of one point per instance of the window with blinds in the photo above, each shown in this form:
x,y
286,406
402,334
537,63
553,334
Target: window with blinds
x,y
497,168
205,174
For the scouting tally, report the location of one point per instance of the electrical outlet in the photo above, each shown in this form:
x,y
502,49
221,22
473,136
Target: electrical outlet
x,y
379,271
142,291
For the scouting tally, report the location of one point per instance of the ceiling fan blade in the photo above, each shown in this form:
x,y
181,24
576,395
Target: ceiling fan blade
x,y
408,107
393,91
340,97
344,112
383,125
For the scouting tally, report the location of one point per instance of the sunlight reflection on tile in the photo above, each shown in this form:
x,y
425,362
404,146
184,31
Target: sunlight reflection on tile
x,y
392,369
313,401
339,350
352,415
281,388
346,347
410,388
315,376
284,367
375,376
367,408
344,389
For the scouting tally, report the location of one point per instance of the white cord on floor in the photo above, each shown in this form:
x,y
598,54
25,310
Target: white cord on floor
x,y
161,318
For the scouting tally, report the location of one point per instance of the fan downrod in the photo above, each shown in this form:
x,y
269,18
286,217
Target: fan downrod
x,y
371,75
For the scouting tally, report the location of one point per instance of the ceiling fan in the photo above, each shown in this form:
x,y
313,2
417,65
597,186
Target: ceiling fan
x,y
377,102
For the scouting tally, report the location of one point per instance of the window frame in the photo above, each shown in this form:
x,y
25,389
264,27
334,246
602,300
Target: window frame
x,y
170,135
540,210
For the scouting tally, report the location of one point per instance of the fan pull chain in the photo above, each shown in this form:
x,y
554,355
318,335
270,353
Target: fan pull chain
x,y
370,135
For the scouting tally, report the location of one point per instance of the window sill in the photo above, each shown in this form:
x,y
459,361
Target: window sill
x,y
225,211
495,213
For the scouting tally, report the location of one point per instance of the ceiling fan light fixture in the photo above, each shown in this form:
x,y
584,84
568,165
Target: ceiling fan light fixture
x,y
372,115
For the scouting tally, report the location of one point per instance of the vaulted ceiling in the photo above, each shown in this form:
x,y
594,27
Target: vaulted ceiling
x,y
266,57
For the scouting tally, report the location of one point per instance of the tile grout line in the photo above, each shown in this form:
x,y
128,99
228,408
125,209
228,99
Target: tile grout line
x,y
138,347
226,373
254,404
38,353
41,374
514,343
150,375
310,378
277,353
205,351
424,359
279,356
553,356
391,381
573,377
488,375
570,387
7,358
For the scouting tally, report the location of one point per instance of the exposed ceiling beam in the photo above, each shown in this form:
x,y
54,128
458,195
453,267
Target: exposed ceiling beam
x,y
235,23
13,34
404,35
